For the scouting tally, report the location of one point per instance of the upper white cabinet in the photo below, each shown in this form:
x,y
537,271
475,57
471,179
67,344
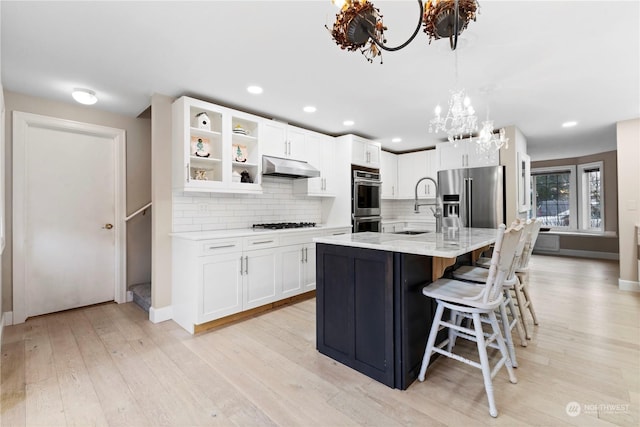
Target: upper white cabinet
x,y
321,155
465,154
389,174
365,152
412,167
282,140
213,147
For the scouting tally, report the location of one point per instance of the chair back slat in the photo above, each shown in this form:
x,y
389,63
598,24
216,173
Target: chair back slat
x,y
508,242
532,228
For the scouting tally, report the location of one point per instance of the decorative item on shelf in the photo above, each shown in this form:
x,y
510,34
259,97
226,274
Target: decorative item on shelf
x,y
239,153
235,176
358,25
200,146
202,121
238,129
200,175
245,177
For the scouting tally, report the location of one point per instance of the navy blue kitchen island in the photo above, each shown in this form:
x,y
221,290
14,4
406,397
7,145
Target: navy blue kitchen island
x,y
371,314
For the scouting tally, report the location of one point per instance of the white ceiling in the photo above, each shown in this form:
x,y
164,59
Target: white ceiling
x,y
536,64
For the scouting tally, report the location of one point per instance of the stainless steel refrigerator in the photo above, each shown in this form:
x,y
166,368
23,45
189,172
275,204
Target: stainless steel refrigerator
x,y
475,195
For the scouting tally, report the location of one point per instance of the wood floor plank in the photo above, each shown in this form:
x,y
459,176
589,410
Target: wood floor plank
x,y
81,404
116,399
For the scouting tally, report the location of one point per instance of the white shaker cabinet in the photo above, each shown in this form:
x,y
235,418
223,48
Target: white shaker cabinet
x,y
298,269
259,278
282,140
465,154
321,155
365,152
389,174
221,285
412,167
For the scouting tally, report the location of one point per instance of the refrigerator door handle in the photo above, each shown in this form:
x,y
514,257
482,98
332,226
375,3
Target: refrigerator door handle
x,y
468,199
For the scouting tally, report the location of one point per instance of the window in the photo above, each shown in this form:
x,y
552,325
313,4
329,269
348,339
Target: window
x,y
569,197
591,197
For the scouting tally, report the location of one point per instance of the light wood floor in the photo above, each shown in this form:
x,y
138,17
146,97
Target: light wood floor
x,y
108,365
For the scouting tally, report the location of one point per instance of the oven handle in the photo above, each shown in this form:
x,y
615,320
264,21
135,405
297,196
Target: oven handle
x,y
367,181
367,218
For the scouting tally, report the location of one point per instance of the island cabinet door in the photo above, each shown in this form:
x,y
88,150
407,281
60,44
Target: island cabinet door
x,y
354,309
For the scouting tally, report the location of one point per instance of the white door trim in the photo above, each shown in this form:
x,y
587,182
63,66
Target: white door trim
x,y
21,123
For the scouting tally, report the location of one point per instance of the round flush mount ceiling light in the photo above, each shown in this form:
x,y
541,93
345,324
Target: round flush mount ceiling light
x,y
256,90
84,96
396,140
348,123
569,124
309,109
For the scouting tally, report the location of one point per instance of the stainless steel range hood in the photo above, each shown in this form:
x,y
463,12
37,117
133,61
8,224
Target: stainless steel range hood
x,y
276,166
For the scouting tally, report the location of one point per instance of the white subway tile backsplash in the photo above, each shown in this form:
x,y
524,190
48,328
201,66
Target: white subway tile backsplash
x,y
219,211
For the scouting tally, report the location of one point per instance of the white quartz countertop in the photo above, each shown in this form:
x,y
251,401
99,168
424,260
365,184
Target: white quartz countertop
x,y
445,245
248,232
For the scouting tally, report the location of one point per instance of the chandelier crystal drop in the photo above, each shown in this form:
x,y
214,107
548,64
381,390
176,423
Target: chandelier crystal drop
x,y
460,119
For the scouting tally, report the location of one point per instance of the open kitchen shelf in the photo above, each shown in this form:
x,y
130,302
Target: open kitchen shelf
x,y
211,152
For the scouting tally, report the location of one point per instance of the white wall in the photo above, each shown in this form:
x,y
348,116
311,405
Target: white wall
x,y
628,136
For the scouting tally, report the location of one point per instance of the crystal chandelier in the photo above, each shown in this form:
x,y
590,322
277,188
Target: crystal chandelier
x,y
488,140
460,119
358,25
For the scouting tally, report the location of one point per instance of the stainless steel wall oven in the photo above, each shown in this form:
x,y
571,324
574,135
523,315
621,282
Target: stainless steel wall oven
x,y
366,196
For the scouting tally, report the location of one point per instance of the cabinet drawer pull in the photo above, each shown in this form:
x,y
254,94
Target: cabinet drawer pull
x,y
262,242
241,264
246,265
302,255
221,246
306,255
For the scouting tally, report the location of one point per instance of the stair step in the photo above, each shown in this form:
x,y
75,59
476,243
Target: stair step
x,y
142,295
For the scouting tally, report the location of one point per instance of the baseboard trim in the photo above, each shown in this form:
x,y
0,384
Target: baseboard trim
x,y
579,254
628,285
157,315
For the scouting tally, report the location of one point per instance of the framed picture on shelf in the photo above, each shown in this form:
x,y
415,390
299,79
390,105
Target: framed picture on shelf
x,y
239,153
200,147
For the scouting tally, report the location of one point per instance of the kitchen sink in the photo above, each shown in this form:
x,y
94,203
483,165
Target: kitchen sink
x,y
411,232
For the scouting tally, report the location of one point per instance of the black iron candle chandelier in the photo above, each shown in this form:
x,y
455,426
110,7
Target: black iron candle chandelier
x,y
359,25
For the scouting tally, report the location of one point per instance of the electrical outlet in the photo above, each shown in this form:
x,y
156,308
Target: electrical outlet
x,y
203,207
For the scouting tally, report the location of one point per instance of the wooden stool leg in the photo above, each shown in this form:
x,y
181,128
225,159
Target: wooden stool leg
x,y
525,291
431,340
516,319
506,327
502,347
484,363
521,308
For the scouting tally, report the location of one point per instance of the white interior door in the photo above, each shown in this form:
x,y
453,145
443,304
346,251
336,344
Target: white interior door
x,y
66,202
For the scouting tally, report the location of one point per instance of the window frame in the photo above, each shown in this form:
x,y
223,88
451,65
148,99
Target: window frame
x,y
573,195
583,197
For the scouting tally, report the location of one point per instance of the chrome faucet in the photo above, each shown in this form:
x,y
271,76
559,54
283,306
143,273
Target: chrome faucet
x,y
437,212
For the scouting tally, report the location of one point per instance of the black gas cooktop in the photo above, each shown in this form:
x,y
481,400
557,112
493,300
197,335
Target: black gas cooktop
x,y
280,225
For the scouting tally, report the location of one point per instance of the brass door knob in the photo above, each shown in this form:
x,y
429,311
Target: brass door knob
x,y
108,226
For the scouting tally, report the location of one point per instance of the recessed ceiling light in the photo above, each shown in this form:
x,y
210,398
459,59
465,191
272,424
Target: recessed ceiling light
x,y
348,123
396,140
569,124
309,109
256,90
84,96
